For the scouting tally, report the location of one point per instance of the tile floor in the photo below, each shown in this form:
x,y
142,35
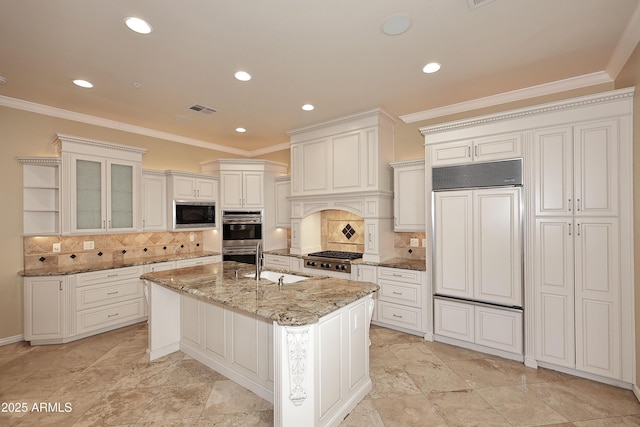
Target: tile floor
x,y
106,380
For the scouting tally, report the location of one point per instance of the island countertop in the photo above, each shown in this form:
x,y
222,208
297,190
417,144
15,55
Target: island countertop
x,y
294,304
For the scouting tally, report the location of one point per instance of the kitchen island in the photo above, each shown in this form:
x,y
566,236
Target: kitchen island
x,y
302,346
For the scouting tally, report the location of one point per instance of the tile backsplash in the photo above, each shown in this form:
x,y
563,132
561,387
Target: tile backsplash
x,y
38,250
402,244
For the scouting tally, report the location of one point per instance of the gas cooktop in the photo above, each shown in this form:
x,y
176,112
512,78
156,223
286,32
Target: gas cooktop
x,y
336,255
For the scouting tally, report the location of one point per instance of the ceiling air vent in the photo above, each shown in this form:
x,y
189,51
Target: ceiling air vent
x,y
473,4
202,109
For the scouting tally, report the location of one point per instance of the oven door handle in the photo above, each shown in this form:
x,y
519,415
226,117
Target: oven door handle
x,y
239,250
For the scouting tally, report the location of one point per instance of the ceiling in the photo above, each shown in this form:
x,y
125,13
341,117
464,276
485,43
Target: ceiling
x,y
330,53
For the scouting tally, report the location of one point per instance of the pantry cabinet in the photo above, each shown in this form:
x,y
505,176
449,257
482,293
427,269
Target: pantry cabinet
x,y
242,189
481,149
408,196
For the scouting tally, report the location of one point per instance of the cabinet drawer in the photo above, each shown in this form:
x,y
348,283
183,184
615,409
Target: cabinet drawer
x,y
108,276
400,275
501,329
400,293
404,317
197,261
276,261
113,314
107,293
454,320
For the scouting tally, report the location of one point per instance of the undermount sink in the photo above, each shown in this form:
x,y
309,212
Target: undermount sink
x,y
273,276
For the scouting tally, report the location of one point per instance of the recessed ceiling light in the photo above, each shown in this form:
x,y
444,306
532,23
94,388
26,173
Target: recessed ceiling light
x,y
83,83
138,25
431,67
243,76
307,107
241,130
396,25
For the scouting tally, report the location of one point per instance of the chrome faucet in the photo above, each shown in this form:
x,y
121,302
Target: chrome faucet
x,y
258,259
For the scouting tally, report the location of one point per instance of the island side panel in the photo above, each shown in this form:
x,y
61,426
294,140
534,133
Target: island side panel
x,y
164,321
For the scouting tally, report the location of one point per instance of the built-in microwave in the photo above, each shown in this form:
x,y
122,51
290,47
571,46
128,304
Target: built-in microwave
x,y
190,214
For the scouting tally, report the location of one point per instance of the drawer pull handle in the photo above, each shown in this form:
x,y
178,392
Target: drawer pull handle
x,y
397,293
112,275
113,315
397,275
399,317
112,293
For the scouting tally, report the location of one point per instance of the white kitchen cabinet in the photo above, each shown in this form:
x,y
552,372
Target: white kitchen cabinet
x,y
188,186
296,264
41,195
45,305
481,149
101,186
191,262
279,262
283,206
492,327
154,201
575,169
408,196
477,235
242,189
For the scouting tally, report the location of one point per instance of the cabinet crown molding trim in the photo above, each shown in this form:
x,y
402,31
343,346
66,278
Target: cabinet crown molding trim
x,y
378,115
531,111
172,172
400,163
60,139
38,159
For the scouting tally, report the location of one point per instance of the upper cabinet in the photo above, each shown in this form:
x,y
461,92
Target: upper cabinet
x,y
283,206
408,196
575,169
483,149
101,186
188,186
242,181
154,200
349,155
41,195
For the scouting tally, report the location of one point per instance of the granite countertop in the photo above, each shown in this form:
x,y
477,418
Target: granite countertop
x,y
295,304
84,268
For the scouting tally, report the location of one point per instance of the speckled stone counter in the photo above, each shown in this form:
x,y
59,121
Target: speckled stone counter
x,y
407,264
84,268
295,304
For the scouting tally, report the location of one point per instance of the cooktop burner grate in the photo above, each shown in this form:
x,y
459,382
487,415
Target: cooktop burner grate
x,y
337,254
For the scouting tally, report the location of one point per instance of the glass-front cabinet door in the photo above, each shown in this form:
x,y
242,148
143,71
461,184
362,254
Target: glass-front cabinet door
x,y
121,192
89,204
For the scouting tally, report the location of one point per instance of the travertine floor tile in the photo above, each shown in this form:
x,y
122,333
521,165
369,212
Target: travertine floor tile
x,y
391,381
435,377
177,402
227,397
364,415
408,411
466,408
478,373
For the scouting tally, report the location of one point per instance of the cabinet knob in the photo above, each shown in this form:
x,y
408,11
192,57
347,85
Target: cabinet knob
x,y
569,205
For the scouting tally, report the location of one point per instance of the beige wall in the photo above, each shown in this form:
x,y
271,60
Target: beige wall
x,y
630,76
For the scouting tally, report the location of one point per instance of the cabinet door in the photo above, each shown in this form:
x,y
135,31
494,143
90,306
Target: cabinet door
x,y
451,153
597,293
283,205
154,202
596,162
88,201
497,147
408,199
252,184
366,273
206,189
184,188
44,308
231,188
553,171
454,319
554,291
498,328
121,196
453,235
497,261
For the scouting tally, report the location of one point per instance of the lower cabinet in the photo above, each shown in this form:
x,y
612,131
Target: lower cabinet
x,y
45,300
191,262
283,262
492,327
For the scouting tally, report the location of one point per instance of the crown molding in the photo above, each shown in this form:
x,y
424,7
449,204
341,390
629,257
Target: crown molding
x,y
60,138
46,110
400,163
625,47
578,82
375,114
39,160
573,103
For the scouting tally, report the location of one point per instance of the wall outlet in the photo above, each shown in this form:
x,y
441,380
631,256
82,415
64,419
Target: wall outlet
x,y
192,237
413,242
424,243
56,247
88,245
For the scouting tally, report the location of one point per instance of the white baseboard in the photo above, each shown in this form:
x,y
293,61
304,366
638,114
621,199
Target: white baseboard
x,y
636,391
11,340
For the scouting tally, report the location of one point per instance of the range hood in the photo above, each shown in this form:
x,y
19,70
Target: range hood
x,y
344,165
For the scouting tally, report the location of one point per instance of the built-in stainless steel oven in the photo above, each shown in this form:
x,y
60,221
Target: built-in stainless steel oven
x,y
241,232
